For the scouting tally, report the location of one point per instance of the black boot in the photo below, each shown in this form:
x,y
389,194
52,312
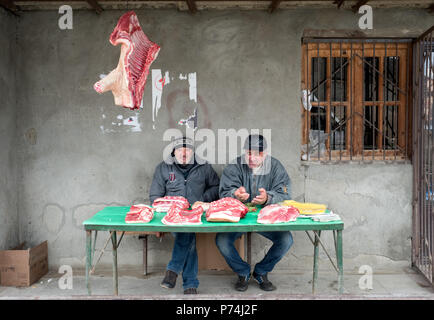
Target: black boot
x,y
263,281
169,280
242,283
190,291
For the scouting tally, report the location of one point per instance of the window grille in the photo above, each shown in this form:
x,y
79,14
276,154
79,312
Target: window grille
x,y
355,100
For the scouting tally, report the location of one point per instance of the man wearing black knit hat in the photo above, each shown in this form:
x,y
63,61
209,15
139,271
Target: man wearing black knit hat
x,y
183,175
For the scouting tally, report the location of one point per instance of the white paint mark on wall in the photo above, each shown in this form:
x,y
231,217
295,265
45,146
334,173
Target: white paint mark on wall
x,y
158,84
192,82
121,124
157,92
191,121
166,78
141,103
133,121
192,86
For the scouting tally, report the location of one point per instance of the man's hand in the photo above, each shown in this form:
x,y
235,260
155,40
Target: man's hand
x,y
261,198
241,194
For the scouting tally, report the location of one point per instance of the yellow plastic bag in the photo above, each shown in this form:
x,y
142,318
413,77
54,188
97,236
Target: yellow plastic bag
x,y
306,208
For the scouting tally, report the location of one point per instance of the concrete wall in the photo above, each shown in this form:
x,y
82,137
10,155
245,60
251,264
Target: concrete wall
x,y
72,161
8,180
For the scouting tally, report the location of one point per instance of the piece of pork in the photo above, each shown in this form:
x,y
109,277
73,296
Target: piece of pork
x,y
178,216
127,81
226,210
163,204
139,213
275,213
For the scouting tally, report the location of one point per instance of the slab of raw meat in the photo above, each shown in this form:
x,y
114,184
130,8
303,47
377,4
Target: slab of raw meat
x,y
204,205
163,204
139,213
226,210
128,80
275,213
178,216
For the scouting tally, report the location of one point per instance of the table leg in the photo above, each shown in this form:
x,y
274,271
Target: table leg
x,y
249,248
94,247
88,258
115,263
339,258
145,254
315,260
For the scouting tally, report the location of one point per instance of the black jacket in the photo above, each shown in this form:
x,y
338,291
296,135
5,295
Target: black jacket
x,y
201,184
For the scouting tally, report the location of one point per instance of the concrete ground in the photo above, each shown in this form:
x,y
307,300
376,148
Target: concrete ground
x,y
405,284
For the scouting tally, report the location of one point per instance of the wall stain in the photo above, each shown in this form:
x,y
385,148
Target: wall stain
x,y
53,217
171,98
31,136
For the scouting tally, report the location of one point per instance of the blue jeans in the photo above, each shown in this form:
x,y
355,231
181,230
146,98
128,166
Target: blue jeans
x,y
184,259
282,241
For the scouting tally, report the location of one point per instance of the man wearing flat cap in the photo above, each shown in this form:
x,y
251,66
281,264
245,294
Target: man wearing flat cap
x,y
183,174
260,179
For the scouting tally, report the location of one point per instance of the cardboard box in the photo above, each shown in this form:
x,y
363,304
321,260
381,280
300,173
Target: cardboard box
x,y
209,256
22,267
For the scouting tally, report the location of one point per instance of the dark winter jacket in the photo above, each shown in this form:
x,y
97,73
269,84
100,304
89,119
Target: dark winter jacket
x,y
274,179
200,184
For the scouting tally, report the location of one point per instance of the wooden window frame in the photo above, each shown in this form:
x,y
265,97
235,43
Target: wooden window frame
x,y
355,52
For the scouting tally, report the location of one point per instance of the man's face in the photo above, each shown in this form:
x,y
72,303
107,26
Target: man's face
x,y
183,155
255,158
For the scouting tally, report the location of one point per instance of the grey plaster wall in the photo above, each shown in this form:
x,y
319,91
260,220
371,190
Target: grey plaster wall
x,y
72,161
8,180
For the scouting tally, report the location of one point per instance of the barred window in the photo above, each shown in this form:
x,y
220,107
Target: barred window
x,y
355,99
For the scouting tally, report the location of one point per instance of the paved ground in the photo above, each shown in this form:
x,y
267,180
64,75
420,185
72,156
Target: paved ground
x,y
406,284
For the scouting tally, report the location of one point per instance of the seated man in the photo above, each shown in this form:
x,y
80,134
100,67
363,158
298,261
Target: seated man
x,y
182,175
260,179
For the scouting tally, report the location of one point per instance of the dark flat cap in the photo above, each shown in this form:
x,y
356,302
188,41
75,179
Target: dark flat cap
x,y
255,142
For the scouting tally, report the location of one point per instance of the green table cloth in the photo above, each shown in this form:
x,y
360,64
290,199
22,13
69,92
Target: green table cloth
x,y
111,218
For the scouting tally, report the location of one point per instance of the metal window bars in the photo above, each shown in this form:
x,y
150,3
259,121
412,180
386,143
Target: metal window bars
x,y
355,99
423,157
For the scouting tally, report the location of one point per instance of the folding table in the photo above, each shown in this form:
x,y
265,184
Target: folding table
x,y
112,219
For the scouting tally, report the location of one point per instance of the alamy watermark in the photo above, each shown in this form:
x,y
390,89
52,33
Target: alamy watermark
x,y
66,20
66,280
365,281
367,20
